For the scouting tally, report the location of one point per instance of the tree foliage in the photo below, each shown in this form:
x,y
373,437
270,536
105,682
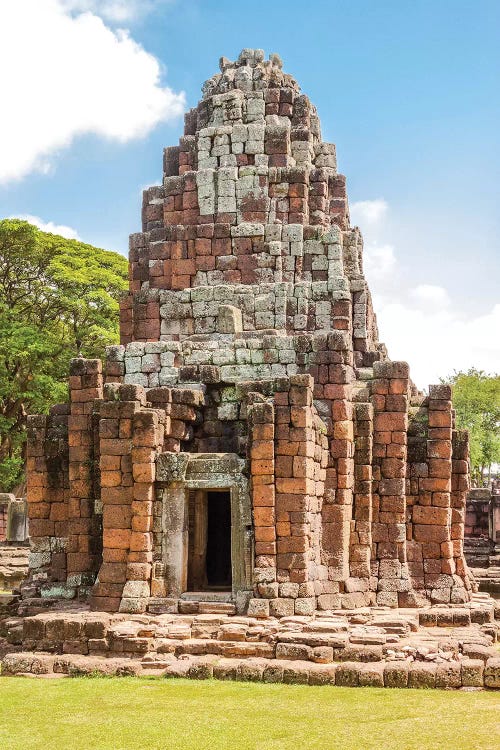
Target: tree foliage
x,y
58,298
476,400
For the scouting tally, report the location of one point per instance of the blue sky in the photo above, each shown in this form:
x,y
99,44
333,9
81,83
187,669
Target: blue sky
x,y
407,90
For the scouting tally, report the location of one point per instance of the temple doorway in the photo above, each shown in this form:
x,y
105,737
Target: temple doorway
x,y
209,558
219,539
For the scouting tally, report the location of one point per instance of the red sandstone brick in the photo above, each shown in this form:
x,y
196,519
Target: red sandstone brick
x,y
390,422
264,516
140,541
263,495
431,515
265,534
116,538
144,473
439,419
262,449
142,523
262,466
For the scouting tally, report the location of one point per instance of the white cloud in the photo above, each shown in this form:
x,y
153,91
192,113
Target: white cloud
x,y
430,296
115,11
422,324
437,341
368,212
66,76
379,261
49,226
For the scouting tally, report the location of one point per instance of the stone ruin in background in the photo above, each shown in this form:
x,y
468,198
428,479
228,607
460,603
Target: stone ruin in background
x,y
13,541
482,535
249,446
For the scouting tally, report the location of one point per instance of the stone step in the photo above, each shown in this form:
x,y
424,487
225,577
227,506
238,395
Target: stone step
x,y
207,596
192,607
159,606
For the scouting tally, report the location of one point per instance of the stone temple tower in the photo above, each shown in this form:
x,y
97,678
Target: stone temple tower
x,y
249,446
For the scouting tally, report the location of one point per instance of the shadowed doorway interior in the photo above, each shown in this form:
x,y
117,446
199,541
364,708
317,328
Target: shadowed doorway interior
x,y
210,540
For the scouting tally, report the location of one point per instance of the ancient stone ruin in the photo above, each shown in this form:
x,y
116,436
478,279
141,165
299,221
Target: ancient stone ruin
x,y
482,535
13,541
249,447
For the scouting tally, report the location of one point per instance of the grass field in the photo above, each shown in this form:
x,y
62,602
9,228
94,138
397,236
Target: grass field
x,y
130,713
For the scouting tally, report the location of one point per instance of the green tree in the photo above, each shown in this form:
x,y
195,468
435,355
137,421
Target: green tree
x,y
476,400
58,298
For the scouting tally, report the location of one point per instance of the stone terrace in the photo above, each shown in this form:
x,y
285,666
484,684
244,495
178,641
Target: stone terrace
x,y
433,647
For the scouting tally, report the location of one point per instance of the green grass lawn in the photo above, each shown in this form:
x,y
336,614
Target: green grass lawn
x,y
126,713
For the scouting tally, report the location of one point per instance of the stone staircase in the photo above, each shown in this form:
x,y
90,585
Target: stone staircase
x,y
195,603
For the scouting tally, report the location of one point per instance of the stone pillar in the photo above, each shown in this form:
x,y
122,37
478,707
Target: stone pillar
x,y
47,497
175,552
337,508
460,483
300,475
361,536
199,567
432,522
267,523
147,439
85,384
390,398
115,431
5,500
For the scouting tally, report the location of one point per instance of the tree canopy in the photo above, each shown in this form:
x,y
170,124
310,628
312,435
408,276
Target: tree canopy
x,y
58,298
476,400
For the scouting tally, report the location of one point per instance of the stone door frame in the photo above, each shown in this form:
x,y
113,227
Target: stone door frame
x,y
176,475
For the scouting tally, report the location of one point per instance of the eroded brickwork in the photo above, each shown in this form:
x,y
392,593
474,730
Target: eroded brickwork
x,y
250,400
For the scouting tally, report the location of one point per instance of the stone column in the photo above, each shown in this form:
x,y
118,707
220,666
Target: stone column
x,y
147,439
47,496
390,399
115,430
175,552
460,483
361,536
199,564
267,522
85,384
337,508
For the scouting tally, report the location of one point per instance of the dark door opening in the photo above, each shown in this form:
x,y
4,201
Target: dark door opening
x,y
209,552
218,561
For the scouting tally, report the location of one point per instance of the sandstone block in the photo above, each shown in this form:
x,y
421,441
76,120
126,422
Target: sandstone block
x,y
472,672
492,673
422,675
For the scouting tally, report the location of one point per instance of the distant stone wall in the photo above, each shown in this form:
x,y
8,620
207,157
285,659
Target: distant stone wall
x,y
13,519
482,526
3,521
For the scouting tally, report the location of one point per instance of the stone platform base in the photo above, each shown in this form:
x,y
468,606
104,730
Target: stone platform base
x,y
466,674
439,646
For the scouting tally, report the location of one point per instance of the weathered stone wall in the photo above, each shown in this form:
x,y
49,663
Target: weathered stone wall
x,y
48,497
